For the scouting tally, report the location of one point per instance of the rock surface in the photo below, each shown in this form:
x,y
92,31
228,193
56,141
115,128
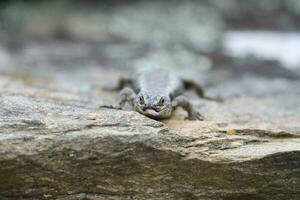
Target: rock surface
x,y
56,143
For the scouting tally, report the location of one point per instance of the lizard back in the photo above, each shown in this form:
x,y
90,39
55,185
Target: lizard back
x,y
159,82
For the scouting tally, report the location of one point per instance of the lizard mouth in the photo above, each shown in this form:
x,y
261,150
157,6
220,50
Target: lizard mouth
x,y
151,111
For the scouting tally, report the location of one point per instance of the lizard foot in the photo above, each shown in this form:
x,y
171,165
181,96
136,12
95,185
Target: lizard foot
x,y
195,116
192,111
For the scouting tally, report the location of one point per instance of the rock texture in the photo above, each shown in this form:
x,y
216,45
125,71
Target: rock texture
x,y
55,143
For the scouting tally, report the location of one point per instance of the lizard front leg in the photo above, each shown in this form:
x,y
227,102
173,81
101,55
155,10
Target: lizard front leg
x,y
182,101
126,95
192,85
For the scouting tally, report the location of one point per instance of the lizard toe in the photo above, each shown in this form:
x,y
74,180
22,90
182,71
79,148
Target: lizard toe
x,y
195,116
199,117
110,107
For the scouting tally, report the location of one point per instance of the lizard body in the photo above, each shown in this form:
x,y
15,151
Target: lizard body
x,y
157,93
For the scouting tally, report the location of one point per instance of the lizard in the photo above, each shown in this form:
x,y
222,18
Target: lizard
x,y
157,93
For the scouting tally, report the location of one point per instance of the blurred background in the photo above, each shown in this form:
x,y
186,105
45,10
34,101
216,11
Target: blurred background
x,y
249,47
56,56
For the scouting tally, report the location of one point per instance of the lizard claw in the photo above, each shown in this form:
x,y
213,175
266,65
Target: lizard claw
x,y
200,117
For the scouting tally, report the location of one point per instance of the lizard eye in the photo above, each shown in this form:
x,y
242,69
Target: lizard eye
x,y
141,99
162,101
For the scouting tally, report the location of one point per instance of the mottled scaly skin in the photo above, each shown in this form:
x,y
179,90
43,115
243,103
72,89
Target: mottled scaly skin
x,y
159,82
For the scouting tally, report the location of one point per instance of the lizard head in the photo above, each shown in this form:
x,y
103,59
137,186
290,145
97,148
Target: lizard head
x,y
156,107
